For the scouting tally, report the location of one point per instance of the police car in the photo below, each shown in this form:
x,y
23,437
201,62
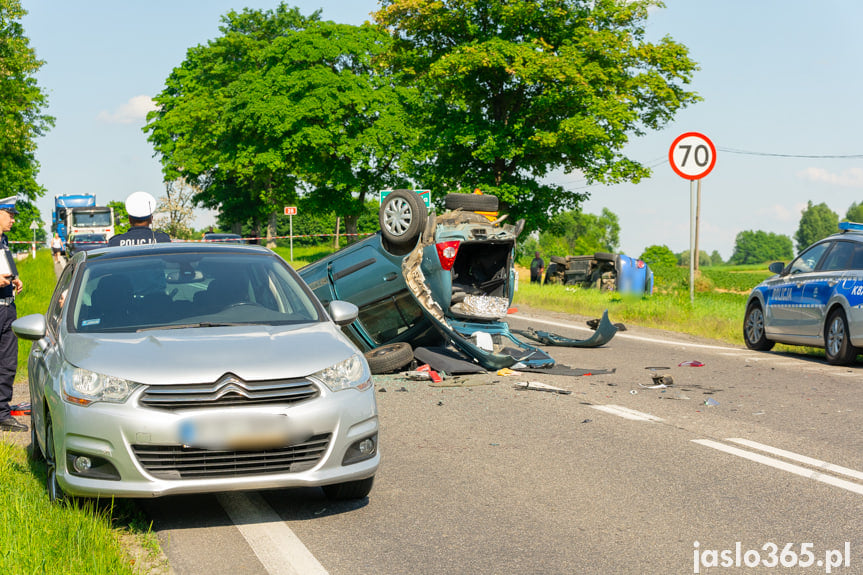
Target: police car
x,y
816,300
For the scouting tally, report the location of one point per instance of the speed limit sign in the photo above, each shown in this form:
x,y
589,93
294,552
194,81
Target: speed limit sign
x,y
692,155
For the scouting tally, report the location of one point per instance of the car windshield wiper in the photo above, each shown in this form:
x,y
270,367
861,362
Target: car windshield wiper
x,y
197,324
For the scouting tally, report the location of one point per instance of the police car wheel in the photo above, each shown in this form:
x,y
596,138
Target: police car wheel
x,y
837,343
753,329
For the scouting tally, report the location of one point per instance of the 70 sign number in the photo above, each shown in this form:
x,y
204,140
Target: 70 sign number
x,y
692,155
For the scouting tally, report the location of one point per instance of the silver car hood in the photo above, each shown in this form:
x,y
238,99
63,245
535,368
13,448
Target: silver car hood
x,y
199,355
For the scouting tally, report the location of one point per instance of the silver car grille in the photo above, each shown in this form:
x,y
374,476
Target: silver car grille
x,y
229,390
179,462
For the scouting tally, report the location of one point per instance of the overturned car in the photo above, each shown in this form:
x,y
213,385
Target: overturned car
x,y
427,279
604,271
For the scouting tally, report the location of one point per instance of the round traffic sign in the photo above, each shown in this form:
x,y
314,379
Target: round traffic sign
x,y
692,155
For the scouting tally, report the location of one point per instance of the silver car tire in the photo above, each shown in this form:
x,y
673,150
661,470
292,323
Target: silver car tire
x,y
754,334
837,344
55,492
402,217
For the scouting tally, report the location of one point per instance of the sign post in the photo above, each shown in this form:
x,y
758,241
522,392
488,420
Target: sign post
x,y
692,156
291,211
34,225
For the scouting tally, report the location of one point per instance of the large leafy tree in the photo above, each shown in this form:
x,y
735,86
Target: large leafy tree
x,y
658,256
513,89
816,222
21,106
756,247
855,213
283,105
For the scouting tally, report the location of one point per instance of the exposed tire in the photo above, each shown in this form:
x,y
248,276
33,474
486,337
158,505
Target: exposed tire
x,y
389,358
471,202
837,341
35,451
604,257
753,329
55,492
349,490
402,217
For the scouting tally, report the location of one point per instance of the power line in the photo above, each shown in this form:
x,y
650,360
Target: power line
x,y
808,156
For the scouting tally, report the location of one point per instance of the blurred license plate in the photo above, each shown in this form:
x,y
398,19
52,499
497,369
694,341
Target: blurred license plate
x,y
237,432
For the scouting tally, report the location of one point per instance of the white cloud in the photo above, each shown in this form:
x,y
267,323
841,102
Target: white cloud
x,y
851,178
782,212
133,111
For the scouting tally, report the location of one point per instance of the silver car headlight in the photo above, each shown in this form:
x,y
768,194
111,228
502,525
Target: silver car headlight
x,y
83,387
352,373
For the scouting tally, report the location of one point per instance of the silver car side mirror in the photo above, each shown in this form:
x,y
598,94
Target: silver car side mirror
x,y
343,312
32,327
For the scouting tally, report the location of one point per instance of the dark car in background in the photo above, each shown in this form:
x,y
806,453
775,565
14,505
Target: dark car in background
x,y
816,300
84,242
223,238
604,271
427,278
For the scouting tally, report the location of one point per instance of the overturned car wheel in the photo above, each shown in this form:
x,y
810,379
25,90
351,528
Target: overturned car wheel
x,y
402,217
389,358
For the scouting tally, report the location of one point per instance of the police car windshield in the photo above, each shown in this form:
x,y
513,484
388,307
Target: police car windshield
x,y
154,291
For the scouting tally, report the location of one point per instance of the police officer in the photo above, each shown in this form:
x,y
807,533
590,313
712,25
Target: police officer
x,y
10,286
140,207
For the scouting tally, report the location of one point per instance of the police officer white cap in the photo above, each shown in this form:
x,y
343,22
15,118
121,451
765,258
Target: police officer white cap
x,y
140,205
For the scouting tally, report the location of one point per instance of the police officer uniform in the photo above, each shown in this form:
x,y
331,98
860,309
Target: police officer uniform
x,y
140,207
8,340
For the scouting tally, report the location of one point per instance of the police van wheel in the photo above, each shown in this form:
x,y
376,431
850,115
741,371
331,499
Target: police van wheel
x,y
753,329
837,341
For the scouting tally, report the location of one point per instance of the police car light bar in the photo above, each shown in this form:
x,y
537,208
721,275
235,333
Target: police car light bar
x,y
850,227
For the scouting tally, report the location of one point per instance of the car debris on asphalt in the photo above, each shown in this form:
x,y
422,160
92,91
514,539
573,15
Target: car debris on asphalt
x,y
539,386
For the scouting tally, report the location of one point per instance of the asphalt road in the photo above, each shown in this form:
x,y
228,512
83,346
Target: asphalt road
x,y
611,478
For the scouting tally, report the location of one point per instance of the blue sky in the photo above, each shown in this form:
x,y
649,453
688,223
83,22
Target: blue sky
x,y
778,77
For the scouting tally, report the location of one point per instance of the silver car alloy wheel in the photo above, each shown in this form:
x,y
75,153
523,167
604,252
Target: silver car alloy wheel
x,y
398,216
755,325
835,335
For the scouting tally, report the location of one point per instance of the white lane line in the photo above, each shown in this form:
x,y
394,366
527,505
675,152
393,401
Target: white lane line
x,y
627,413
625,335
799,458
279,550
789,467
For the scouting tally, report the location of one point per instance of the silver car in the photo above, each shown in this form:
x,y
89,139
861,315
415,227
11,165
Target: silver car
x,y
816,300
187,368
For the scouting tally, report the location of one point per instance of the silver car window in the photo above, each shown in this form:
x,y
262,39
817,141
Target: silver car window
x,y
188,290
808,260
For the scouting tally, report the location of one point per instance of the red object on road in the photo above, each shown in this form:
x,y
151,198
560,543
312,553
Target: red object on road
x,y
690,364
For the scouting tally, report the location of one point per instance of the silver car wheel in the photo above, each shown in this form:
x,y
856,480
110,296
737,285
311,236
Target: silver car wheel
x,y
398,216
755,325
836,335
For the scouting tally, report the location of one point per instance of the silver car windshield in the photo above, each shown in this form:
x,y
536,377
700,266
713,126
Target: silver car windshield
x,y
188,290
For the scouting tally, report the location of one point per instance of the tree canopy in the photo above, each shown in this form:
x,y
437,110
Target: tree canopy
x,y
816,222
579,233
513,89
657,256
855,213
757,247
21,106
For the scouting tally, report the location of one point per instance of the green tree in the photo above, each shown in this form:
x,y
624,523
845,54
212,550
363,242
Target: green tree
x,y
855,213
21,105
816,222
579,233
757,247
683,258
716,258
21,236
282,106
121,217
658,257
513,89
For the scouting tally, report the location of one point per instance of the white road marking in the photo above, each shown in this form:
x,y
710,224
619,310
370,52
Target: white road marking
x,y
627,413
279,550
784,466
799,458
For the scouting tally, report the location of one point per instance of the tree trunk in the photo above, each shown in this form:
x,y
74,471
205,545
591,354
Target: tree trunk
x,y
237,228
336,237
271,230
351,228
